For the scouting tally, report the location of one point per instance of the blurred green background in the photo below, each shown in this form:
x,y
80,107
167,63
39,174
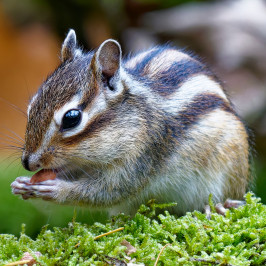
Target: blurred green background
x,y
230,36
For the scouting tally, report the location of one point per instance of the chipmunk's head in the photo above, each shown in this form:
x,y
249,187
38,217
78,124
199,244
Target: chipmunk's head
x,y
76,113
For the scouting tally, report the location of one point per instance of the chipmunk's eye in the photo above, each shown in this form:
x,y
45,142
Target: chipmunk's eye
x,y
71,119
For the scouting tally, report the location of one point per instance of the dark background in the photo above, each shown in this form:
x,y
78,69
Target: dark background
x,y
230,36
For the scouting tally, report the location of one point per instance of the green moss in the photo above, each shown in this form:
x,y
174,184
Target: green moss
x,y
239,238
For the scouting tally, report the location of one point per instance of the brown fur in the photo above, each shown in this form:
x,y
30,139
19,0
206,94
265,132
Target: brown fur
x,y
157,125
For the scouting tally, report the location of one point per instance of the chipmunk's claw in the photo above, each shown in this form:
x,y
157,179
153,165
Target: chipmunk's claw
x,y
221,208
44,190
229,203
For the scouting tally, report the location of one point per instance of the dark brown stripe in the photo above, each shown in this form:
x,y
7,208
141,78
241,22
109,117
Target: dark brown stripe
x,y
90,93
168,82
173,130
194,111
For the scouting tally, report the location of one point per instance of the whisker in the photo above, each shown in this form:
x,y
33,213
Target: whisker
x,y
60,168
12,131
19,166
69,172
63,171
13,154
12,138
11,163
14,158
8,146
7,142
95,180
14,107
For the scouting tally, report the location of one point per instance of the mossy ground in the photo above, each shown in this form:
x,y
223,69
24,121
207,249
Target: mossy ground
x,y
239,238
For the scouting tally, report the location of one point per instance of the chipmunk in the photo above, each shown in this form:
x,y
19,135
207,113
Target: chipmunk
x,y
117,132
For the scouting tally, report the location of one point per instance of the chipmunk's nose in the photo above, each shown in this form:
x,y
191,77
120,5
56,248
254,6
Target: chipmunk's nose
x,y
30,162
25,163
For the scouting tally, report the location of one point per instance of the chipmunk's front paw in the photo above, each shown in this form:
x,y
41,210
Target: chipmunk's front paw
x,y
45,190
221,208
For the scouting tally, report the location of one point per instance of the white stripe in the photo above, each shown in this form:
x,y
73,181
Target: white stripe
x,y
178,100
33,99
49,134
194,86
164,61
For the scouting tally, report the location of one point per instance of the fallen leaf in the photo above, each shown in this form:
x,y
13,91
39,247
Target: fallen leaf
x,y
130,249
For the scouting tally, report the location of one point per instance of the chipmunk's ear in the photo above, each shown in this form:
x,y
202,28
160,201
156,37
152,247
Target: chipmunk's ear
x,y
69,46
108,58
